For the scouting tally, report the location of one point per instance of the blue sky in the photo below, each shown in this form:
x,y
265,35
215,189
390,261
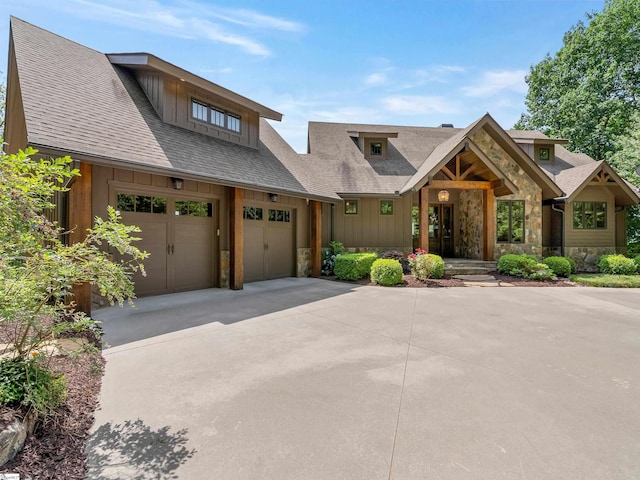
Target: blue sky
x,y
392,62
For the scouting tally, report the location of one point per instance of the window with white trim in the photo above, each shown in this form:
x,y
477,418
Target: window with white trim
x,y
215,116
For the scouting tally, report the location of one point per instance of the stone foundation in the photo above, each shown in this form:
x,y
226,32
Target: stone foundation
x,y
378,250
303,262
586,258
224,268
518,249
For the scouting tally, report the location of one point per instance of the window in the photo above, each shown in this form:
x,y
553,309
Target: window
x,y
544,154
375,148
193,209
283,216
589,215
386,207
510,221
141,203
215,116
351,207
252,213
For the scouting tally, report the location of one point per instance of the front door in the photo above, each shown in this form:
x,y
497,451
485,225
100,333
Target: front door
x,y
441,230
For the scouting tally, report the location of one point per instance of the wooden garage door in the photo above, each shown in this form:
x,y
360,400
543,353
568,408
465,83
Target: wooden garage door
x,y
179,236
268,243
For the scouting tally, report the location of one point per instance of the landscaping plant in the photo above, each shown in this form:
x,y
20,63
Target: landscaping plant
x,y
329,257
525,266
399,256
386,271
560,266
38,270
616,265
354,266
426,265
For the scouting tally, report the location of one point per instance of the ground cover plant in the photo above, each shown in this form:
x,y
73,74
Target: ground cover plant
x,y
606,281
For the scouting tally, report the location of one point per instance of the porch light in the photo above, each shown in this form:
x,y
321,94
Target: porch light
x,y
443,196
178,183
273,197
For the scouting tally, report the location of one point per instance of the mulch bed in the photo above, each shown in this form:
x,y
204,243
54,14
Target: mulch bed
x,y
55,450
448,281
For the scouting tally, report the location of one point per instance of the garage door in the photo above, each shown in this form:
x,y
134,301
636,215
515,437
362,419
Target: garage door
x,y
268,243
179,235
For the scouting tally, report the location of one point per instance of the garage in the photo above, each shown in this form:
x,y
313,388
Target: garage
x,y
268,243
179,234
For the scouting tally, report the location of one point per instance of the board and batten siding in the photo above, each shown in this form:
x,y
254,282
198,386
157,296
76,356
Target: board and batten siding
x,y
592,237
153,87
368,229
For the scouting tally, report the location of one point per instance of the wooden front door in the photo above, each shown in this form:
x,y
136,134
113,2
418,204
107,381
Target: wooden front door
x,y
441,230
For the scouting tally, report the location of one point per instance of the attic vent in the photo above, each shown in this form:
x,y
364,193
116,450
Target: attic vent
x,y
446,125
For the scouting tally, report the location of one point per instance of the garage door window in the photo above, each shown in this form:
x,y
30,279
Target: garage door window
x,y
252,213
194,209
141,203
283,216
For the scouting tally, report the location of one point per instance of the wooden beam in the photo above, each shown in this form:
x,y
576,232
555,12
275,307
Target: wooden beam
x,y
236,238
448,173
468,171
457,166
316,237
80,220
489,217
465,185
424,218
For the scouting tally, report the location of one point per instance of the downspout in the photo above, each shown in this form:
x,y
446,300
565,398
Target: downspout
x,y
561,210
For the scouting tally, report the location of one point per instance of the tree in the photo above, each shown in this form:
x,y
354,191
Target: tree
x,y
38,270
3,94
588,91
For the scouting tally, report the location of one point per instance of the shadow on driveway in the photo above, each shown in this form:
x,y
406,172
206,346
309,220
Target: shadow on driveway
x,y
153,316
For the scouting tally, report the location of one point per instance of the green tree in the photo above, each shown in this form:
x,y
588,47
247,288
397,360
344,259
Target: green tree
x,y
588,91
38,270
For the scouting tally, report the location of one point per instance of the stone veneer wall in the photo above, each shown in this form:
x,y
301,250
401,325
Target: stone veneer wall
x,y
528,191
225,271
471,224
303,262
586,258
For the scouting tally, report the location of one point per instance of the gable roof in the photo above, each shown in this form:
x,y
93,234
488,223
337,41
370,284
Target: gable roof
x,y
77,102
574,180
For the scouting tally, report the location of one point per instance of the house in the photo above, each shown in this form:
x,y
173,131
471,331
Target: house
x,y
222,199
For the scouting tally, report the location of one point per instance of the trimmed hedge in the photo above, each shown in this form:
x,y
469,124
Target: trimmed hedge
x,y
616,265
525,266
426,265
558,265
386,272
353,266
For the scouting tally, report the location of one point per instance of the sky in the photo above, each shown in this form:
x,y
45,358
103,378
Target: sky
x,y
419,63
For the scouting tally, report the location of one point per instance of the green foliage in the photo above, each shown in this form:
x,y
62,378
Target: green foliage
x,y
426,265
636,260
3,97
525,266
574,267
353,266
616,265
607,281
26,382
560,266
329,257
386,271
37,268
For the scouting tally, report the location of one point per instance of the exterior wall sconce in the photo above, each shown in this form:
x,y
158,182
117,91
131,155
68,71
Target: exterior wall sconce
x,y
178,183
273,197
443,196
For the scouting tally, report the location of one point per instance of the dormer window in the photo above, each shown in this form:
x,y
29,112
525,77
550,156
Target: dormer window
x,y
544,154
375,149
215,116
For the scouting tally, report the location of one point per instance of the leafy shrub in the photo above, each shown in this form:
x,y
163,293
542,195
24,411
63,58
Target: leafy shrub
x,y
636,260
26,382
525,266
426,265
605,280
397,255
558,265
574,267
353,266
616,265
329,257
386,271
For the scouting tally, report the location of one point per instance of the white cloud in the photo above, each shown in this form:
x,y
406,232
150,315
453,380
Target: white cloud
x,y
419,104
185,20
376,79
346,115
493,83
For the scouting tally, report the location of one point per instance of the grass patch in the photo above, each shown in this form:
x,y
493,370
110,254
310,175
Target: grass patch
x,y
605,280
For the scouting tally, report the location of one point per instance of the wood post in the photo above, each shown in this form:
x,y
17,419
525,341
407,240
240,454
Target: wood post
x,y
236,239
489,213
80,219
316,237
424,218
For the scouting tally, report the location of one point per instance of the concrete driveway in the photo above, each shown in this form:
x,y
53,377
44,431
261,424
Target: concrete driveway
x,y
312,379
